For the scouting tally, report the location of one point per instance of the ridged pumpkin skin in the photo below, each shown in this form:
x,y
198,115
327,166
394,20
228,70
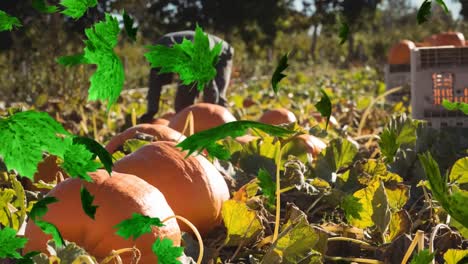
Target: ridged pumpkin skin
x,y
456,39
278,116
400,53
205,116
193,187
118,196
161,132
314,145
160,121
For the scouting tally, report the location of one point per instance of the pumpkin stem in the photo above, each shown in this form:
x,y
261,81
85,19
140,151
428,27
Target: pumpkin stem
x,y
116,254
195,231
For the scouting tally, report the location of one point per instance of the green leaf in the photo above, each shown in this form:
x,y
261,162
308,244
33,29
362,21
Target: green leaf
x,y
400,223
324,106
459,172
97,149
352,207
207,139
78,161
443,5
87,202
455,256
422,257
365,197
7,22
107,82
40,208
128,22
453,202
242,223
51,229
26,143
137,226
193,61
10,243
278,75
43,7
166,252
267,185
399,132
424,11
454,106
76,8
72,60
132,145
343,33
339,153
381,209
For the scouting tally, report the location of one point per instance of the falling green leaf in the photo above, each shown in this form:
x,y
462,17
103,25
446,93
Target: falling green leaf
x,y
10,243
454,106
268,185
27,142
72,60
207,139
137,226
98,150
278,75
324,106
443,5
343,33
128,22
241,222
43,7
422,257
7,22
166,252
77,8
51,229
193,61
424,11
40,208
352,207
87,202
455,256
78,162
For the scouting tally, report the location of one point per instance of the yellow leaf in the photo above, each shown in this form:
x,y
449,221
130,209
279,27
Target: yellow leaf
x,y
241,222
459,172
397,196
453,256
365,197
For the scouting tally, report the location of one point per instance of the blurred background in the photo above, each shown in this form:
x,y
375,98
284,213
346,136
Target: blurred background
x,y
261,31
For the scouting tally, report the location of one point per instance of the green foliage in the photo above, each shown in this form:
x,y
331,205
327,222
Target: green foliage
x,y
267,185
352,207
43,7
165,250
77,8
78,161
128,23
453,106
324,106
98,150
207,139
399,132
10,243
40,207
422,257
87,202
50,229
343,33
137,226
193,61
278,74
425,10
71,60
7,22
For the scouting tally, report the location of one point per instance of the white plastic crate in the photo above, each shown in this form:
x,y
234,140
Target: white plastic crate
x,y
439,73
398,75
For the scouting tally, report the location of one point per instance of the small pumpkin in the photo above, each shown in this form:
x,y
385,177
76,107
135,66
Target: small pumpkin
x,y
47,171
161,132
278,116
205,116
313,144
400,53
117,197
193,187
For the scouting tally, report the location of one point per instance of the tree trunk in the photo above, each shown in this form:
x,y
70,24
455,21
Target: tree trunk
x,y
350,47
313,45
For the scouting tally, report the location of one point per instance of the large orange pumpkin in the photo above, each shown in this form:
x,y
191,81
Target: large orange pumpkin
x,y
278,116
456,39
118,197
193,187
161,132
205,116
164,119
47,171
314,145
400,53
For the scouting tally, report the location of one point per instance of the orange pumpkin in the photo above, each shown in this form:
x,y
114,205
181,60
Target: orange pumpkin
x,y
278,116
205,116
193,187
118,196
47,171
161,132
248,102
400,53
245,139
160,121
456,39
313,144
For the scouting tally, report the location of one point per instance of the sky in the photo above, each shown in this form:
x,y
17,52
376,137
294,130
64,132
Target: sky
x,y
453,5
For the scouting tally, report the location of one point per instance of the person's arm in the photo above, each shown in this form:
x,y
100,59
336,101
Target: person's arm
x,y
153,97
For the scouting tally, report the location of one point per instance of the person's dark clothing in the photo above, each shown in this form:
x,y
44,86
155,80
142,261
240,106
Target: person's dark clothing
x,y
214,92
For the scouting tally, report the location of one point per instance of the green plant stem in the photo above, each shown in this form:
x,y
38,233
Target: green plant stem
x,y
278,189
